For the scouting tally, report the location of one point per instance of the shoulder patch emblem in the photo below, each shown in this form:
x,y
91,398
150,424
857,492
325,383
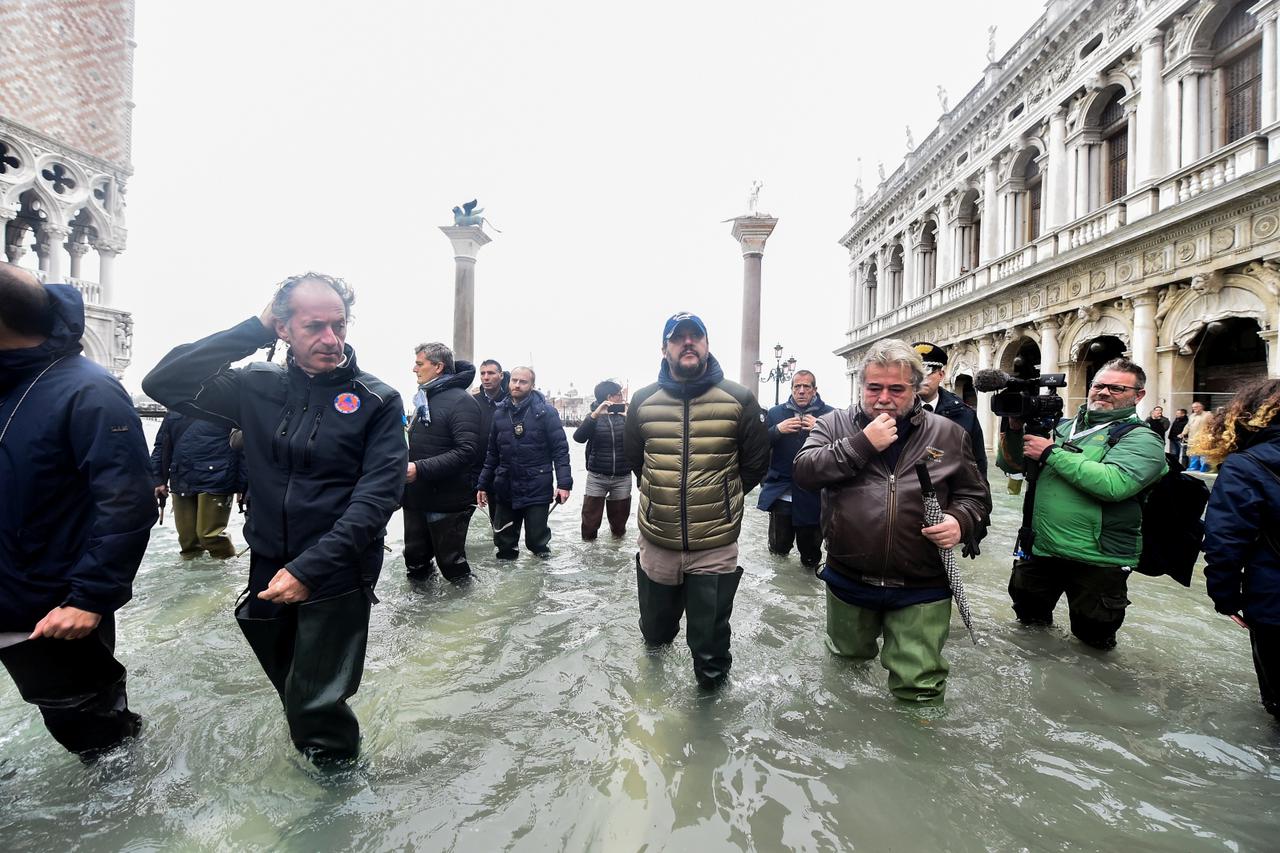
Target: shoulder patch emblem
x,y
120,428
346,403
762,417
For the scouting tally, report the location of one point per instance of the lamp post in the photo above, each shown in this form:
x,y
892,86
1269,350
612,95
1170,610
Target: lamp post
x,y
782,372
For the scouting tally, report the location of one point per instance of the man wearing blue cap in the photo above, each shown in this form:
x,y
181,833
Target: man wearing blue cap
x,y
698,444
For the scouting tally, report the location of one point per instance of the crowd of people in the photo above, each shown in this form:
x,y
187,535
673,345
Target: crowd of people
x,y
324,453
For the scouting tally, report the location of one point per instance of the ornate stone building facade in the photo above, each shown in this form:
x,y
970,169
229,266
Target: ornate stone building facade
x,y
66,74
1111,186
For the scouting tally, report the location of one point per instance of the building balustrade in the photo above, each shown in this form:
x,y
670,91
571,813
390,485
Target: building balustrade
x,y
1096,225
1223,166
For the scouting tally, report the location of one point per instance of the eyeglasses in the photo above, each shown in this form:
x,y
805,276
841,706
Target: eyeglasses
x,y
1114,389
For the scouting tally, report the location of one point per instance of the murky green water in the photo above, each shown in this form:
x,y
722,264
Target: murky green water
x,y
522,713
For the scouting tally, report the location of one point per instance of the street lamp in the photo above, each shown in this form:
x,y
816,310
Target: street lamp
x,y
781,373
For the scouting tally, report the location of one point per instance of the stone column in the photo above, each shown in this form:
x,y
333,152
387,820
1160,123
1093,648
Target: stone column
x,y
912,274
1170,130
1083,178
1190,117
1150,150
1143,345
15,250
1131,175
1266,12
1048,328
985,418
76,250
1055,191
106,271
467,241
989,239
50,250
751,232
855,289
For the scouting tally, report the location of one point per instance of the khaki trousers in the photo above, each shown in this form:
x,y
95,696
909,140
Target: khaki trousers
x,y
201,521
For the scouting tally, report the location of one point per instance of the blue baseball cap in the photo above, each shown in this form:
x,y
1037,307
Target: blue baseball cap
x,y
682,317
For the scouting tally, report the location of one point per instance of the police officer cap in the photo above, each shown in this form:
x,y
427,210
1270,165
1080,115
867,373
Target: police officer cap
x,y
931,354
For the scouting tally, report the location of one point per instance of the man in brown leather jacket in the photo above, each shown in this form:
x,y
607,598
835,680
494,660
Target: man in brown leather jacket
x,y
883,571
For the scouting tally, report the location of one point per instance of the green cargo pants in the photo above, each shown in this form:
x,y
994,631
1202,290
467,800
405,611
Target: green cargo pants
x,y
913,641
201,521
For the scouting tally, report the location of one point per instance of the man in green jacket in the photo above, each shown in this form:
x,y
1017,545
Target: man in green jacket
x,y
697,443
1087,516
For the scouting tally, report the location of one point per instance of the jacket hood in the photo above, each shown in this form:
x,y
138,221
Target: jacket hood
x,y
712,376
64,339
464,373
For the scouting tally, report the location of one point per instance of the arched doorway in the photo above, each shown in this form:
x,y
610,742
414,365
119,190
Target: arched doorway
x,y
1229,354
963,385
1022,359
1096,353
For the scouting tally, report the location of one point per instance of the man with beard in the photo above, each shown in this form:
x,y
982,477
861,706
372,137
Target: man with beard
x,y
527,441
697,443
444,437
883,571
1087,516
325,449
793,511
76,510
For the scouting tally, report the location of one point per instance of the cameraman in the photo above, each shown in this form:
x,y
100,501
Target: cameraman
x,y
1087,513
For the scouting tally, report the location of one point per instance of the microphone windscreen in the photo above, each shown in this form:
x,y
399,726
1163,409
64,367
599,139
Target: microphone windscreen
x,y
990,380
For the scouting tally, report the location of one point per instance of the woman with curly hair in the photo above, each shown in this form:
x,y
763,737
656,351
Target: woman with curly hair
x,y
1242,553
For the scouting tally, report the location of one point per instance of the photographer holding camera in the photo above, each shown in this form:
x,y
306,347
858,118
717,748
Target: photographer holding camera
x,y
608,475
1086,515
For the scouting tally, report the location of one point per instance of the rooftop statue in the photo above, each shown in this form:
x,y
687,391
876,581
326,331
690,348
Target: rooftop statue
x,y
991,43
753,200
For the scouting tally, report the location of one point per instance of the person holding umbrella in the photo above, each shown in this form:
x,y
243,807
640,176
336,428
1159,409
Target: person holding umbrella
x,y
885,571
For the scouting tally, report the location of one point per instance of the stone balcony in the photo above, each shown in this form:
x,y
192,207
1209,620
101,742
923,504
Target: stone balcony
x,y
1193,188
108,331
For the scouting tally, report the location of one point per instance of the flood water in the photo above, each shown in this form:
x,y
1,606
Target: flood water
x,y
523,713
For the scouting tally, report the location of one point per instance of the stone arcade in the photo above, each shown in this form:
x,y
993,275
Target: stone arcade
x,y
1111,185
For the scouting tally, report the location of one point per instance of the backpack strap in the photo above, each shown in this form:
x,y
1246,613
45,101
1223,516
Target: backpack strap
x,y
1118,431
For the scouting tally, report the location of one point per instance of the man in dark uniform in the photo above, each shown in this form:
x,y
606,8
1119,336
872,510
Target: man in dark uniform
x,y
194,463
935,398
324,443
76,510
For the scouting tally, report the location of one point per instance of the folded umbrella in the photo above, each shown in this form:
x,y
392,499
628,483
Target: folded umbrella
x,y
932,516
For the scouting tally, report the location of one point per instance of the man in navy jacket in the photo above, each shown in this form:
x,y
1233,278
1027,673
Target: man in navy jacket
x,y
194,463
527,441
794,513
325,449
76,510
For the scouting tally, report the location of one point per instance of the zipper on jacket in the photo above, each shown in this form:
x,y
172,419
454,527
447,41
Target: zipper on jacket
x,y
311,440
282,431
728,508
613,449
684,481
893,513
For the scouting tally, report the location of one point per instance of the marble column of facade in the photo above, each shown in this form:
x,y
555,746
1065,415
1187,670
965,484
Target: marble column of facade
x,y
76,250
1190,132
1081,193
107,271
1055,210
985,418
1048,329
912,268
944,248
1149,153
1142,346
1266,14
13,251
50,242
751,232
1131,127
989,239
884,283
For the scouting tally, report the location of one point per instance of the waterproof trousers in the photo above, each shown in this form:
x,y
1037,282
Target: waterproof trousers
x,y
437,536
1265,640
313,653
706,601
594,510
79,687
782,533
506,529
913,641
1096,595
201,522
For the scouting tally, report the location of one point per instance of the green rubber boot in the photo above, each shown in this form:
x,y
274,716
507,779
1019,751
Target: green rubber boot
x,y
852,631
708,605
913,641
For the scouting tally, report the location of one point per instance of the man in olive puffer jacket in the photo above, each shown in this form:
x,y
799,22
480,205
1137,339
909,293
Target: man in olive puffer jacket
x,y
698,444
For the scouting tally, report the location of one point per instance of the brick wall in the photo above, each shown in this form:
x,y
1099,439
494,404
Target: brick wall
x,y
66,70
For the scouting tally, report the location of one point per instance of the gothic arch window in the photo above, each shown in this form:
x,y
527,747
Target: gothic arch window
x,y
1237,61
1113,122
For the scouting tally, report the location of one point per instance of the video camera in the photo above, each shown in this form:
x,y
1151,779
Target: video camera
x,y
1021,398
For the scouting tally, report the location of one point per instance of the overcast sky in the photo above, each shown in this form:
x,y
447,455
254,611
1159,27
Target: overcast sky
x,y
607,143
